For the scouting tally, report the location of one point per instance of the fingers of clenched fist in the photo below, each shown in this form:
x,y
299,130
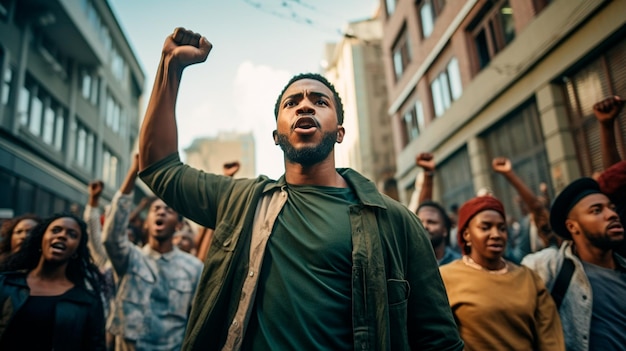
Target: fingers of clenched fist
x,y
183,36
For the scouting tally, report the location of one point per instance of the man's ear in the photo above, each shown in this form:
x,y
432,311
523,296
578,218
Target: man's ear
x,y
572,227
275,136
340,133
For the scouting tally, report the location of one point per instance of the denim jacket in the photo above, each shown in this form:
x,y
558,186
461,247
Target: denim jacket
x,y
398,298
153,324
576,307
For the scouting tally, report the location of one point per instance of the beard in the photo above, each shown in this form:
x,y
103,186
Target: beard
x,y
604,242
436,240
308,156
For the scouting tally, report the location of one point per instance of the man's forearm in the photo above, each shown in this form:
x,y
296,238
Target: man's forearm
x,y
158,137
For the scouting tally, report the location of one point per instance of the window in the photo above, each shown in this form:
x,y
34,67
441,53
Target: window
x,y
48,125
84,147
492,30
413,122
6,85
519,137
23,105
446,87
114,114
109,168
36,111
455,179
401,53
429,10
59,124
603,76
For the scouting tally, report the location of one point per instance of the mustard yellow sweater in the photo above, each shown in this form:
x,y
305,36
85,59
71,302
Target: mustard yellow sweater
x,y
510,311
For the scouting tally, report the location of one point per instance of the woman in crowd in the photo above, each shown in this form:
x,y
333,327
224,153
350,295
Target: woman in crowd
x,y
497,304
49,293
13,233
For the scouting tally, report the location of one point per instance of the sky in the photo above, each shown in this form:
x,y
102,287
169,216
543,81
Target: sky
x,y
257,46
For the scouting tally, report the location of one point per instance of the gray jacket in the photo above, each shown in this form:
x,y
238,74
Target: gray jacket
x,y
576,308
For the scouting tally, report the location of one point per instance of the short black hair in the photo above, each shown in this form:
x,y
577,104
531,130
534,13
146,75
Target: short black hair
x,y
444,216
318,77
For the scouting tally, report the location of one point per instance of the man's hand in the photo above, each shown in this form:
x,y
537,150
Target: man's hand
x,y
607,109
501,165
426,160
230,168
185,47
95,188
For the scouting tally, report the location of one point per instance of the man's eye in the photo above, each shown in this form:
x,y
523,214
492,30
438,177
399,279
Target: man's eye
x,y
289,103
322,102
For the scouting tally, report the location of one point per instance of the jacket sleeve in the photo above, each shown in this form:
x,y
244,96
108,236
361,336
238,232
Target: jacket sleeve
x,y
547,321
430,323
191,192
94,229
116,242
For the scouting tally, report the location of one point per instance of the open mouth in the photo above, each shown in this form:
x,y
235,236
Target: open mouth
x,y
615,227
58,247
305,123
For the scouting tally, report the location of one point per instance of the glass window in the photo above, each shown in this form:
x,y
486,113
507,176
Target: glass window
x,y
426,17
435,88
106,167
48,125
6,89
456,88
81,144
401,53
36,112
446,87
89,152
493,31
22,107
86,84
58,129
420,115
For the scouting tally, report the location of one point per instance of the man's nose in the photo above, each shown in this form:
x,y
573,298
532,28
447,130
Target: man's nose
x,y
305,108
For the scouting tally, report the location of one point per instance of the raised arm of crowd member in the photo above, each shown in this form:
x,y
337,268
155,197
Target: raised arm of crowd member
x,y
606,112
157,281
116,241
91,216
427,162
205,235
540,214
261,287
158,137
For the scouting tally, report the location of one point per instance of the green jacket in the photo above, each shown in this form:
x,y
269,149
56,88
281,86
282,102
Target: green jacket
x,y
399,301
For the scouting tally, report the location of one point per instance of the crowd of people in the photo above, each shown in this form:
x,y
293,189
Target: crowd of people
x,y
318,259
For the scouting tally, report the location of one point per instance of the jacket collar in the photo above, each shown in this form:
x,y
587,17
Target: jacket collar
x,y
365,190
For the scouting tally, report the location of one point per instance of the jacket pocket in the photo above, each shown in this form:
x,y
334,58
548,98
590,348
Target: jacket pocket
x,y
398,296
397,292
225,237
180,295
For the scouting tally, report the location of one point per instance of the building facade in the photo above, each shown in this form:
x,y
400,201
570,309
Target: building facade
x,y
470,80
69,103
209,154
355,68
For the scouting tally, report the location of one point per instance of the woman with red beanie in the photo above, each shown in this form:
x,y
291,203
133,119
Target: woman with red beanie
x,y
497,304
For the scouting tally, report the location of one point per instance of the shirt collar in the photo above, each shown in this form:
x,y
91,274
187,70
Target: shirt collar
x,y
148,251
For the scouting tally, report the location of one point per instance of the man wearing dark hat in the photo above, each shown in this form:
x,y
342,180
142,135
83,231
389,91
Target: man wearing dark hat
x,y
593,305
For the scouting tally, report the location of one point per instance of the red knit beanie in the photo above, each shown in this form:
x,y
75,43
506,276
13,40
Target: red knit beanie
x,y
613,181
471,208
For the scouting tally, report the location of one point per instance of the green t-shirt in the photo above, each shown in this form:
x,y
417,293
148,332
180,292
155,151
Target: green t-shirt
x,y
304,297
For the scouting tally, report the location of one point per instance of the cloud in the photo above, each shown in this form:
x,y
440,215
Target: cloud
x,y
255,90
